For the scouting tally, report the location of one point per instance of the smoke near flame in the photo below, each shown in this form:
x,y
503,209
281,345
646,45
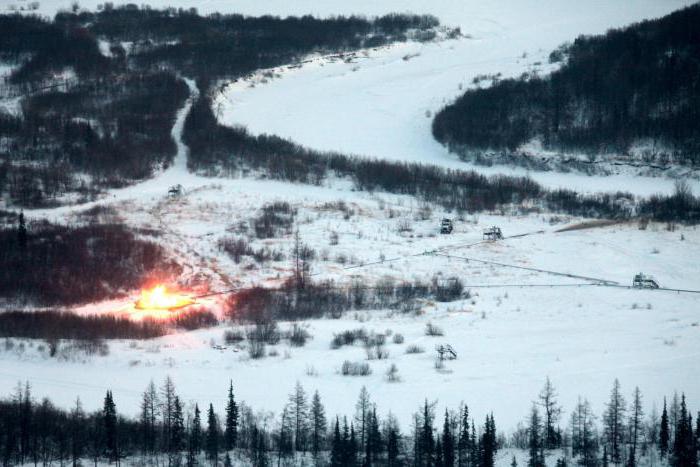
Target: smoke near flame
x,y
159,298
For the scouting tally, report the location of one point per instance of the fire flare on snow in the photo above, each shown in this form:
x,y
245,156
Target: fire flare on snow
x,y
159,298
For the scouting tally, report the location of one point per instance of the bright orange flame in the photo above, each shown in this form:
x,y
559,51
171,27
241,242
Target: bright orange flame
x,y
158,298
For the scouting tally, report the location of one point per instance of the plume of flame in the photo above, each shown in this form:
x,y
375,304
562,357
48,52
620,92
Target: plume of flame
x,y
159,298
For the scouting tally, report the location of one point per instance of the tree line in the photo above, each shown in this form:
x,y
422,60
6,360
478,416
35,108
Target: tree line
x,y
109,114
170,431
636,85
233,151
50,264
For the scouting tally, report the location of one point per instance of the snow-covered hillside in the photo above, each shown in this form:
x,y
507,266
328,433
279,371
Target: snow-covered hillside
x,y
382,105
519,325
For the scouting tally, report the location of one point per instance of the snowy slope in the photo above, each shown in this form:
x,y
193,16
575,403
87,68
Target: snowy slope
x,y
382,106
508,338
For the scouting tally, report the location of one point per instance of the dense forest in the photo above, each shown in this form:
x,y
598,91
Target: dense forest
x,y
49,264
98,92
633,92
170,431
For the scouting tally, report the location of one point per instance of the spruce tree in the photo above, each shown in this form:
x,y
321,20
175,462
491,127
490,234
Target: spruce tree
x,y
298,410
393,440
78,436
195,439
337,446
448,443
535,441
614,423
664,433
109,417
231,429
212,437
362,409
635,426
177,432
318,424
684,449
463,443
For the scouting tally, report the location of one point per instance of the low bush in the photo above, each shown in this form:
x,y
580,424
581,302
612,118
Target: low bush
x,y
355,368
432,330
414,348
233,336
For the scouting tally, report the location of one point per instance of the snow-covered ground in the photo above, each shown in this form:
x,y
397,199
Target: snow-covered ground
x,y
509,337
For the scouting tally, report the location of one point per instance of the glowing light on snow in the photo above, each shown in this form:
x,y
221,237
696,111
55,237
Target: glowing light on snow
x,y
159,298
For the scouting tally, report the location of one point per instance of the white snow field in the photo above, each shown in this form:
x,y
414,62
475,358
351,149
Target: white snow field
x,y
509,337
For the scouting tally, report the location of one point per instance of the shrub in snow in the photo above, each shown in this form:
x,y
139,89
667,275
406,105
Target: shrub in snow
x,y
256,349
355,368
233,336
349,337
392,374
298,336
414,348
398,338
432,330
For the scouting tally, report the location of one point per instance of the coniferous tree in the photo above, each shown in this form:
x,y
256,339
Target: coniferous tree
x,y
212,446
425,439
463,443
231,429
285,437
167,411
350,444
535,439
673,414
298,411
24,403
195,439
635,426
475,444
488,445
337,456
552,412
614,423
149,414
439,460
373,446
583,434
664,432
78,434
362,409
109,417
684,450
318,424
448,443
259,448
177,432
393,441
